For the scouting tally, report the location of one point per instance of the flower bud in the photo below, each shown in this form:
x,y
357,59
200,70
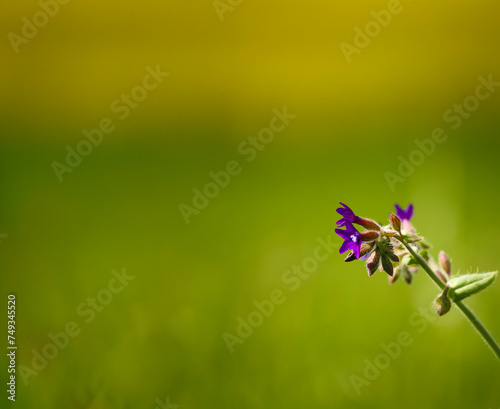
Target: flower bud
x,y
373,262
445,263
366,248
395,222
442,304
369,235
368,224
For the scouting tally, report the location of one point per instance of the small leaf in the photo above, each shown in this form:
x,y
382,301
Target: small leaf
x,y
387,265
393,257
464,286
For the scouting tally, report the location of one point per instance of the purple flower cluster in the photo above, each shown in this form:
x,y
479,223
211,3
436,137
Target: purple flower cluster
x,y
396,249
374,243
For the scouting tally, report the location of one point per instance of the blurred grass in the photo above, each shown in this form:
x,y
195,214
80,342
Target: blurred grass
x,y
162,336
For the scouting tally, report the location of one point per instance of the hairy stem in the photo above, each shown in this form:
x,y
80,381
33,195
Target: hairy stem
x,y
480,328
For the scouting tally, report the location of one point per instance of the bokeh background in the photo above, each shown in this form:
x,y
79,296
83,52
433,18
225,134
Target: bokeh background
x,y
163,334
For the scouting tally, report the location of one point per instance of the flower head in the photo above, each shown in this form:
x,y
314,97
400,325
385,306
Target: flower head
x,y
347,214
404,214
352,238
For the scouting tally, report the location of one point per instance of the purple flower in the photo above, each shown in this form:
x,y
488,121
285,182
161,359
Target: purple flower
x,y
352,238
347,214
404,214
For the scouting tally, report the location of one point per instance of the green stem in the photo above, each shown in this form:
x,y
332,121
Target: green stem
x,y
480,328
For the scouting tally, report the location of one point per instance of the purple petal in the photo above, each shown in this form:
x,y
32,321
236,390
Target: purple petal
x,y
346,245
349,231
404,214
346,212
349,227
343,233
341,211
409,211
357,250
399,211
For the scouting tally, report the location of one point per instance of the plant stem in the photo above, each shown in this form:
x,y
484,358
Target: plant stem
x,y
480,328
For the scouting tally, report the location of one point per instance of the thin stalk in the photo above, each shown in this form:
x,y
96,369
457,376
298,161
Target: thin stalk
x,y
480,328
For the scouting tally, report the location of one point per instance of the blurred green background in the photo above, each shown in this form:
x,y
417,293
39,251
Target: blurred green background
x,y
163,334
